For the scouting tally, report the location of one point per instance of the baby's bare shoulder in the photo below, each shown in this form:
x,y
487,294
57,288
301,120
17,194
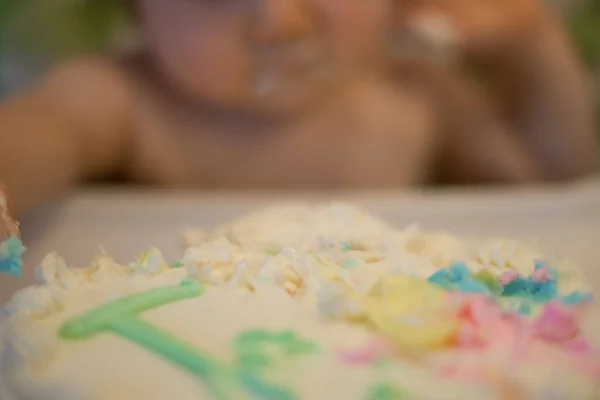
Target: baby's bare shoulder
x,y
89,89
89,71
92,96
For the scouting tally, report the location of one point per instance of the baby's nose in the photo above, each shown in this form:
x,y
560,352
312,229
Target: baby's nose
x,y
282,20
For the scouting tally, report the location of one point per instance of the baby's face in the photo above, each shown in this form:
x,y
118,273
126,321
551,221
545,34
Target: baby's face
x,y
266,56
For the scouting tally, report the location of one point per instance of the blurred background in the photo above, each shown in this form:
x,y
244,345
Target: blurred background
x,y
36,33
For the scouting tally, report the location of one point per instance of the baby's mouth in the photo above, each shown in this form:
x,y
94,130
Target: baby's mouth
x,y
280,67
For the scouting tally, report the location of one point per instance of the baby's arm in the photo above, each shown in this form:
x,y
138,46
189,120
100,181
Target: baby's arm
x,y
477,145
72,126
550,99
539,84
474,144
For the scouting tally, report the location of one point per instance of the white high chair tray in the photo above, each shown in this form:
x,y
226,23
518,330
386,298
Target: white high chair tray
x,y
564,219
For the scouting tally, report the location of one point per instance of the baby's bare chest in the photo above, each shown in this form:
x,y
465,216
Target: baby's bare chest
x,y
379,145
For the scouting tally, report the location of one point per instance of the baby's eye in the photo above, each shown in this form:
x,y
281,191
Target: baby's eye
x,y
206,3
195,6
213,3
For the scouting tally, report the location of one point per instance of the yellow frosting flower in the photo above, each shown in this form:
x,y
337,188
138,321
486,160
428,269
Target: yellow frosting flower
x,y
411,312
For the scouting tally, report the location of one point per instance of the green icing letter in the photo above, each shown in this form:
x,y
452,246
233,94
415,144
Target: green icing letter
x,y
100,319
384,391
257,348
121,317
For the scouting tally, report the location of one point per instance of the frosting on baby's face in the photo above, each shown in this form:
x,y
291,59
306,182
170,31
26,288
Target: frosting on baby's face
x,y
421,30
448,26
265,56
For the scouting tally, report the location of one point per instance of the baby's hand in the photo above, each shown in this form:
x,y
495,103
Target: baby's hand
x,y
8,226
11,248
480,28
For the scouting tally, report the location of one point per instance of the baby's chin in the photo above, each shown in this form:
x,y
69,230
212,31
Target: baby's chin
x,y
288,100
264,98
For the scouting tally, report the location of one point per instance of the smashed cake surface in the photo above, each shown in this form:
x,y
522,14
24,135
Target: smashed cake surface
x,y
307,302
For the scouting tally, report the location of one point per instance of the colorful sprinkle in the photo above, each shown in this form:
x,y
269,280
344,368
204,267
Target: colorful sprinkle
x,y
350,264
346,246
375,350
385,391
508,277
488,279
541,274
575,298
579,346
524,308
538,264
272,251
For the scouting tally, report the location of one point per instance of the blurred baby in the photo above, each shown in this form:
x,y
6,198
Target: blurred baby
x,y
301,94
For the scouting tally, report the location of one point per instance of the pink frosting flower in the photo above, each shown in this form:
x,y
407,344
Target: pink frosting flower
x,y
490,335
483,321
556,323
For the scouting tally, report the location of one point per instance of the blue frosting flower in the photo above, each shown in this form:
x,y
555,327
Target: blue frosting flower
x,y
458,278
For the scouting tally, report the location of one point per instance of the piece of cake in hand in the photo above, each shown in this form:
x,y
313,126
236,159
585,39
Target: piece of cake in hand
x,y
11,248
307,302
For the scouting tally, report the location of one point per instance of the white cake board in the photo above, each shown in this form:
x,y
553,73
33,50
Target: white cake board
x,y
565,219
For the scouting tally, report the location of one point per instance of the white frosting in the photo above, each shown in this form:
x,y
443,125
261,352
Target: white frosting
x,y
326,257
37,364
300,246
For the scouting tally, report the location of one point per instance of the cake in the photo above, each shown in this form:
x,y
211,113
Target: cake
x,y
307,302
11,248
